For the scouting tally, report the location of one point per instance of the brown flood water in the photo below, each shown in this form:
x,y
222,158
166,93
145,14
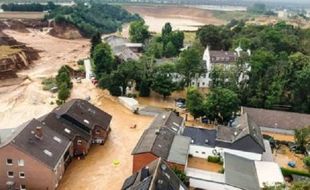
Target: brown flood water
x,y
96,171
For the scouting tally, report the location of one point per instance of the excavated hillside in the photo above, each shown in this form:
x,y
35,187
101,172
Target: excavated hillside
x,y
14,55
65,31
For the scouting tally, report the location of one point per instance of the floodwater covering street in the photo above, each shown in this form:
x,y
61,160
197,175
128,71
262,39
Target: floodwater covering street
x,y
97,171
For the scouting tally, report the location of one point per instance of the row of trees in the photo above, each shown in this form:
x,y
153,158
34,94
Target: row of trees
x,y
93,18
279,72
168,44
32,7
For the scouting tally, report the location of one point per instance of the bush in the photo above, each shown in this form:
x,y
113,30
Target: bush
x,y
221,170
80,62
214,159
144,89
287,172
307,161
63,93
49,83
115,90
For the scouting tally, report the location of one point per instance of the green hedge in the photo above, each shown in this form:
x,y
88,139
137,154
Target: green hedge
x,y
286,172
214,159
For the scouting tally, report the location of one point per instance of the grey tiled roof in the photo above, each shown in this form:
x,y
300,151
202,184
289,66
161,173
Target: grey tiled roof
x,y
160,177
200,135
59,125
245,136
28,143
158,138
278,119
84,113
223,56
240,172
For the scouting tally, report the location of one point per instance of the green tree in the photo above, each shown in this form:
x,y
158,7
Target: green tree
x,y
95,40
103,59
302,138
166,30
189,64
138,31
144,88
307,161
170,50
163,81
63,93
194,102
221,104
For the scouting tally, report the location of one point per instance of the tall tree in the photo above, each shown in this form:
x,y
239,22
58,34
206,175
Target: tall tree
x,y
163,80
103,59
189,64
221,104
138,31
95,40
194,102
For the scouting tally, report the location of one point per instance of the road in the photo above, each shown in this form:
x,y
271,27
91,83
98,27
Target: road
x,y
88,69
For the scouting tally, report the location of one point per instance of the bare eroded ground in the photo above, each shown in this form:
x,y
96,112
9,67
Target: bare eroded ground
x,y
27,100
203,164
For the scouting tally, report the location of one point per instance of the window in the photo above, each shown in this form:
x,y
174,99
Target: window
x,y
9,161
196,152
203,84
21,162
22,187
67,130
10,174
21,175
203,152
57,139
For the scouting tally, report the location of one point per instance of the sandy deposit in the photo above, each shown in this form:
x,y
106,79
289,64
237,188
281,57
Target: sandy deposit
x,y
181,18
27,100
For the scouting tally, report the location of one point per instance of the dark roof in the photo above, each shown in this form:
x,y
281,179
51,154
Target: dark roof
x,y
158,177
160,138
243,128
84,113
169,120
245,135
200,135
223,56
278,119
48,150
60,125
156,141
240,172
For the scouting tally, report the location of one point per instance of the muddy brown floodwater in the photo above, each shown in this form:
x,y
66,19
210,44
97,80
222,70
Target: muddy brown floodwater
x,y
96,171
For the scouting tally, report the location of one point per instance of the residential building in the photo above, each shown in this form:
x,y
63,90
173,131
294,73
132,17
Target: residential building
x,y
122,49
211,58
30,154
240,173
243,138
277,121
41,149
162,140
155,176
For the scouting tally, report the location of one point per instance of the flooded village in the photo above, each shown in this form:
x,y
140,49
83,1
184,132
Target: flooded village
x,y
101,141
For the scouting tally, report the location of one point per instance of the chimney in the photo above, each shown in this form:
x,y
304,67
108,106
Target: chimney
x,y
39,133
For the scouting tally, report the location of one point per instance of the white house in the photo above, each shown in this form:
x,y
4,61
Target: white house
x,y
227,59
243,138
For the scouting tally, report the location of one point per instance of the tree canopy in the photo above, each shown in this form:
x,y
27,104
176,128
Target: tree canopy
x,y
138,31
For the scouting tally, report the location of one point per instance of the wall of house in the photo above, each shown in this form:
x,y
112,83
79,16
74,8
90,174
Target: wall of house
x,y
141,160
99,134
204,152
200,151
202,184
248,155
82,148
37,174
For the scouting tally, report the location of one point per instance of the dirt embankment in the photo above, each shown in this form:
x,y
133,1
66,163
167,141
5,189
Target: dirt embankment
x,y
65,31
14,55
